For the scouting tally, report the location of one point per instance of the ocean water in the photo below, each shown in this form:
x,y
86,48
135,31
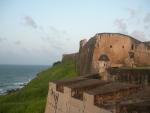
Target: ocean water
x,y
16,76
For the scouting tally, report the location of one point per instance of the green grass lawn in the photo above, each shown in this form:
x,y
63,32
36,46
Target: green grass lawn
x,y
32,98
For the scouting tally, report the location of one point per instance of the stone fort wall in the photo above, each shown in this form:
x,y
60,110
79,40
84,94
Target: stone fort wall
x,y
73,57
63,102
116,46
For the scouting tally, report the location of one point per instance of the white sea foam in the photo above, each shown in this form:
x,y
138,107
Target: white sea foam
x,y
2,92
16,76
19,83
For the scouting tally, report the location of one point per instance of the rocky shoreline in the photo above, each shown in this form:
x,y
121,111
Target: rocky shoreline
x,y
20,86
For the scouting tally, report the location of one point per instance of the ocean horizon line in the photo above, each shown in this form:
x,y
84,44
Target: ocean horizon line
x,y
27,64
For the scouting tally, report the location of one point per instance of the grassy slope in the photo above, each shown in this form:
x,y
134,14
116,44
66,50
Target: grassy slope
x,y
32,98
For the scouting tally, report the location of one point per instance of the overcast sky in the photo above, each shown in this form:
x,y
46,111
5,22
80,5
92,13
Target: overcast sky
x,y
40,31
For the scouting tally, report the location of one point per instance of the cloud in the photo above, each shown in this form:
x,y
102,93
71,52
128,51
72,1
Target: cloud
x,y
132,12
57,33
146,26
30,22
18,42
2,39
146,21
136,24
56,40
52,38
53,34
138,34
121,25
147,18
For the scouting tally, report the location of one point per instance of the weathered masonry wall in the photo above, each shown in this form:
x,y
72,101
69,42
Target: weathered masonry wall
x,y
73,57
134,76
58,102
137,103
116,46
88,94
